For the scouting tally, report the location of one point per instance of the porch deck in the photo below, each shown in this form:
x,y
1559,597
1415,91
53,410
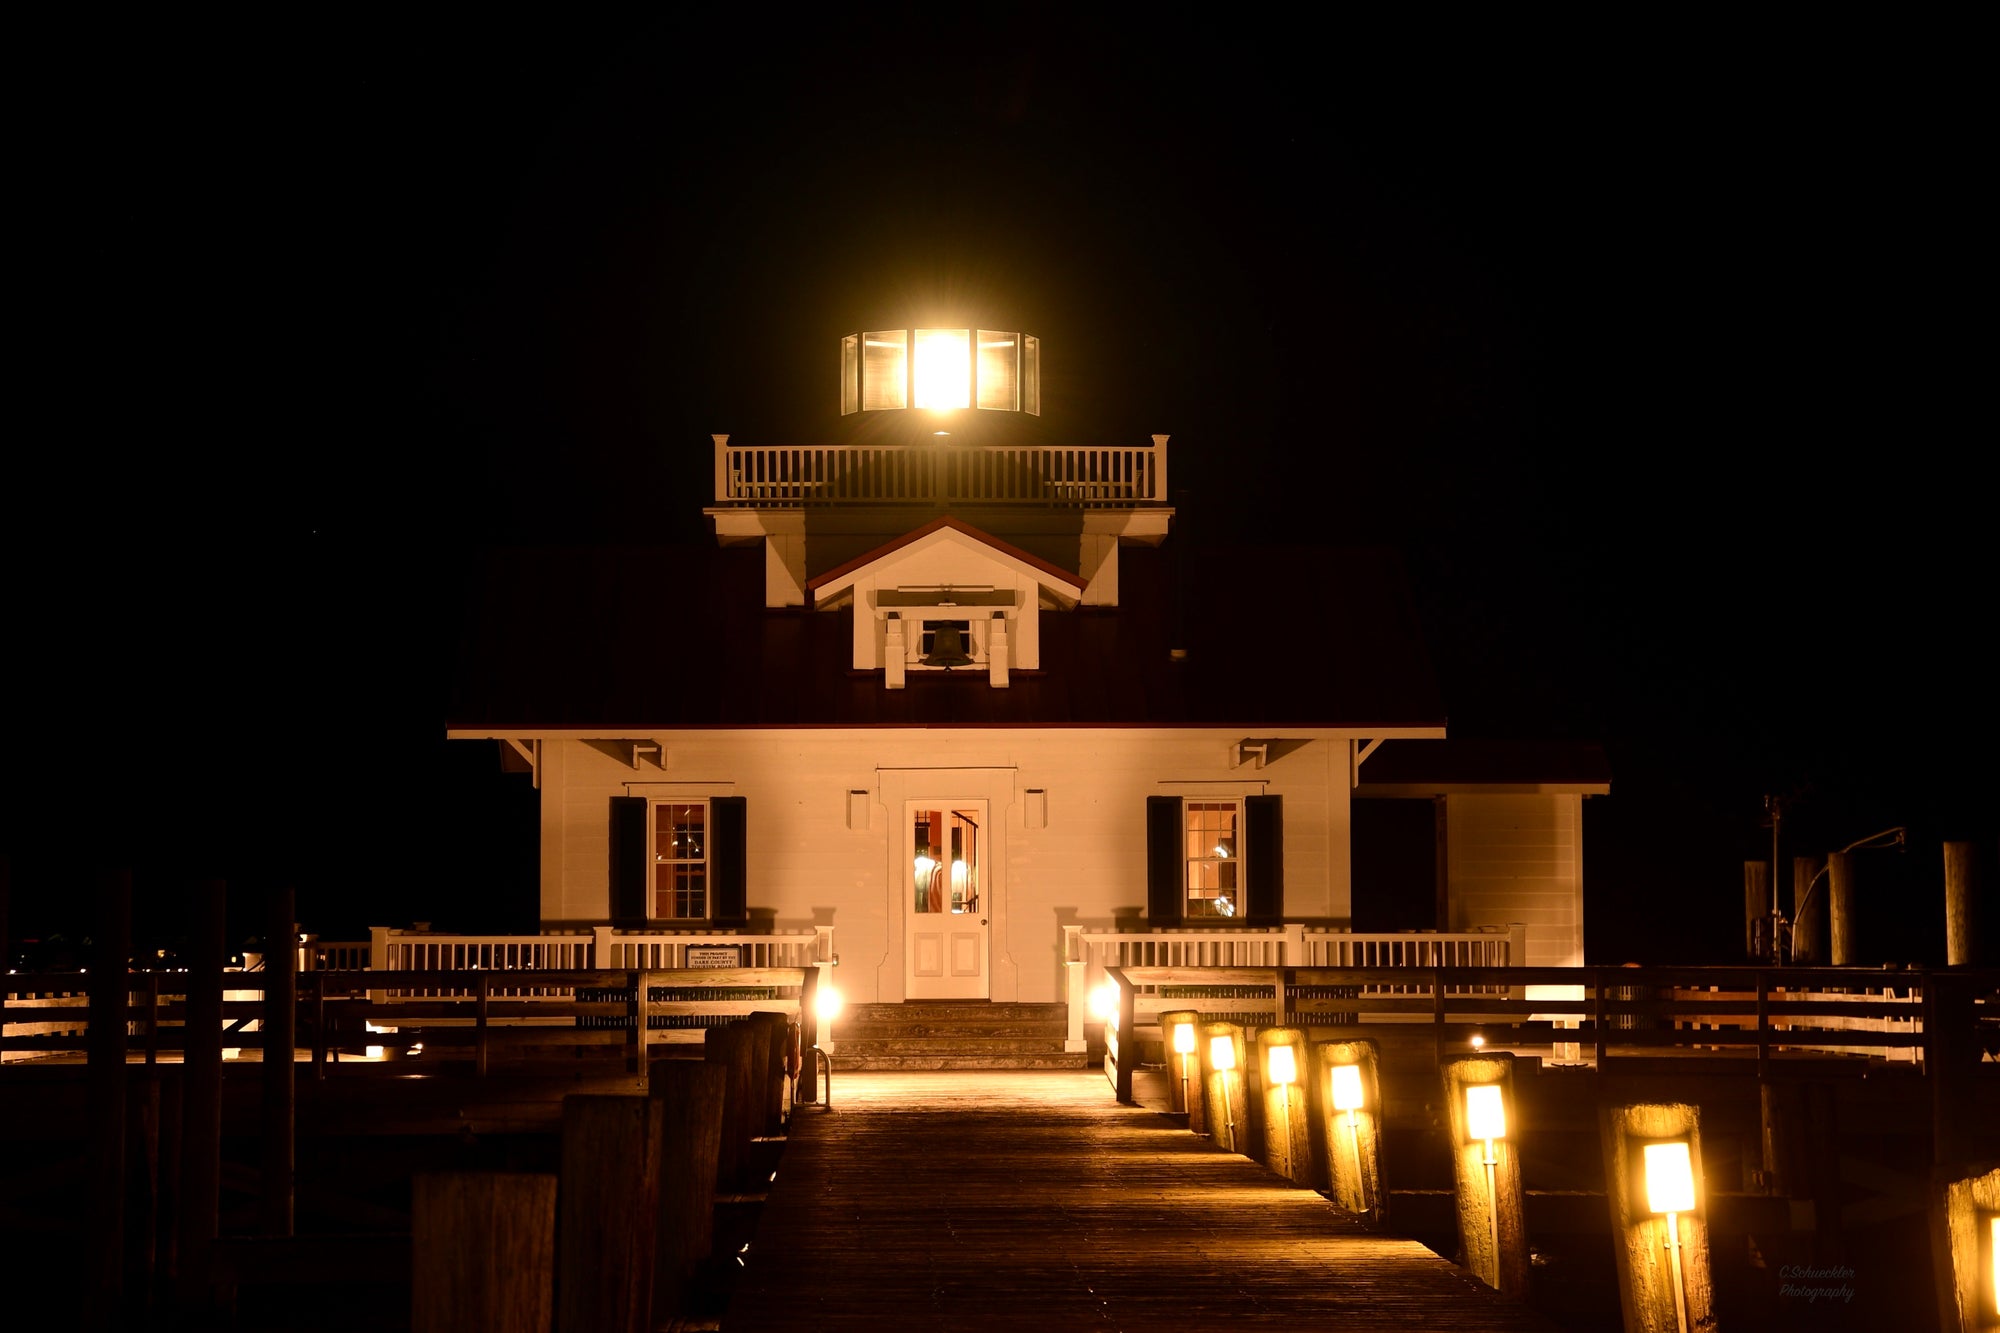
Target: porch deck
x,y
986,1200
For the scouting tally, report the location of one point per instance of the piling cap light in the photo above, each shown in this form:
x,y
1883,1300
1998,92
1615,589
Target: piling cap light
x,y
1347,1087
1183,1039
1669,1178
1284,1066
1995,1223
1222,1052
1485,1116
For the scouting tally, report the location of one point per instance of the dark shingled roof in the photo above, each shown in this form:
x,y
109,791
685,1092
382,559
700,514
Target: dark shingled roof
x,y
660,638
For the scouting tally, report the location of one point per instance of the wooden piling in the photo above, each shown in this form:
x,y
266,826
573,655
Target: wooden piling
x,y
1756,906
690,1093
728,1047
1353,1143
767,1055
280,1016
142,1194
1287,1134
482,1252
1961,1250
1962,906
104,1273
1646,1283
1491,1227
1840,906
608,1213
201,1113
1809,947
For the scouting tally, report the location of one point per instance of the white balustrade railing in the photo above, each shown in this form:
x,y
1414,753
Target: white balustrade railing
x,y
784,477
600,949
1087,952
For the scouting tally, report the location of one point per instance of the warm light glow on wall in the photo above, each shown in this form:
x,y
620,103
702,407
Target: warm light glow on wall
x,y
1347,1087
1284,1065
1669,1178
1485,1115
1222,1053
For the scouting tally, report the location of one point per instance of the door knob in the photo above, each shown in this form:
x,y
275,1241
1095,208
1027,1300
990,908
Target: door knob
x,y
982,920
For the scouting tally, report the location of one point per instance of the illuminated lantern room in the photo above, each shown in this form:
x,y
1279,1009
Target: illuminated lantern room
x,y
940,370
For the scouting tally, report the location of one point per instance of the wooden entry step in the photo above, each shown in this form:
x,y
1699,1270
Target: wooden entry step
x,y
953,1034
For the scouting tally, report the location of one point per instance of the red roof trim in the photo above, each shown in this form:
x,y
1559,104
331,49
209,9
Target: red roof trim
x,y
862,561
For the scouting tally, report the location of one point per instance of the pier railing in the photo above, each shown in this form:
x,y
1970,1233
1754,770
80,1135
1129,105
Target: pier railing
x,y
479,1009
1756,1012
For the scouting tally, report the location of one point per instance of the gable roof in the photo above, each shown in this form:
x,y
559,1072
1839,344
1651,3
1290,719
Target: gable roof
x,y
1057,579
638,639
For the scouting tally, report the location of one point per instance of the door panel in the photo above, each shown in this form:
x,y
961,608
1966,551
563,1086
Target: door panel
x,y
946,901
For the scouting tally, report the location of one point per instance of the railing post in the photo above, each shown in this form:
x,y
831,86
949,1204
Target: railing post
x,y
481,993
152,1019
1437,1015
378,948
601,947
721,468
319,1024
1294,945
1074,966
1160,468
1128,1038
1597,1019
1763,1025
823,945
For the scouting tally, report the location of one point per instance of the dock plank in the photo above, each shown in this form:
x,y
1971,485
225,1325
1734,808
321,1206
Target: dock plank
x,y
985,1200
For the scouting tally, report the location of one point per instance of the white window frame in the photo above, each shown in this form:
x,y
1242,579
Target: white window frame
x,y
1235,857
655,863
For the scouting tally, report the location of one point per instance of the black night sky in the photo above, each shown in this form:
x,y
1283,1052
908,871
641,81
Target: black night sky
x,y
1643,341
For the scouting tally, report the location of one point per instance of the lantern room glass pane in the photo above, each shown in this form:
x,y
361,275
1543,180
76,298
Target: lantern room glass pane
x,y
1031,375
944,369
999,371
885,363
850,374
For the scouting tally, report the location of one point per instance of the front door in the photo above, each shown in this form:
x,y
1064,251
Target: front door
x,y
945,901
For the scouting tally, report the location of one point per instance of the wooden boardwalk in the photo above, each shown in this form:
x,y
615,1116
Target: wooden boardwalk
x,y
1010,1200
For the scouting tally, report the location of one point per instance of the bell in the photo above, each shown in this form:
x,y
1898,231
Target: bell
x,y
947,649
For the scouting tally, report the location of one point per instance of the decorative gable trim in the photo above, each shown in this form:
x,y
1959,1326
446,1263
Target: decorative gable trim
x,y
947,583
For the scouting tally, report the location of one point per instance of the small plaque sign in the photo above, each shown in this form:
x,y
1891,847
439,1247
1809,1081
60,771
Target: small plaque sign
x,y
715,955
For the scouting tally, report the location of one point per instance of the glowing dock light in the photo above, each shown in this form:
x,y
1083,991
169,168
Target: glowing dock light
x,y
1670,1190
1486,1118
1348,1097
1104,1003
1222,1054
1284,1066
1184,1048
827,1004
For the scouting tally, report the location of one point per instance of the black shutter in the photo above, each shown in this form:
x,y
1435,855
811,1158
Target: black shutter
x,y
1166,870
728,854
628,859
1264,855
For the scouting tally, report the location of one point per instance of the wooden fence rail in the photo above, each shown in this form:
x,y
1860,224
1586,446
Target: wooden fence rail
x,y
484,1009
1824,1010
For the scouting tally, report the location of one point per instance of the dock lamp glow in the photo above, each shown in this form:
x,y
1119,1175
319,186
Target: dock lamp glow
x,y
1283,1067
1994,1250
1184,1048
1222,1054
1670,1190
1347,1097
1486,1118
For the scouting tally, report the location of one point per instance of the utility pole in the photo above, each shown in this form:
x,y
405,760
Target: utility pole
x,y
1771,946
